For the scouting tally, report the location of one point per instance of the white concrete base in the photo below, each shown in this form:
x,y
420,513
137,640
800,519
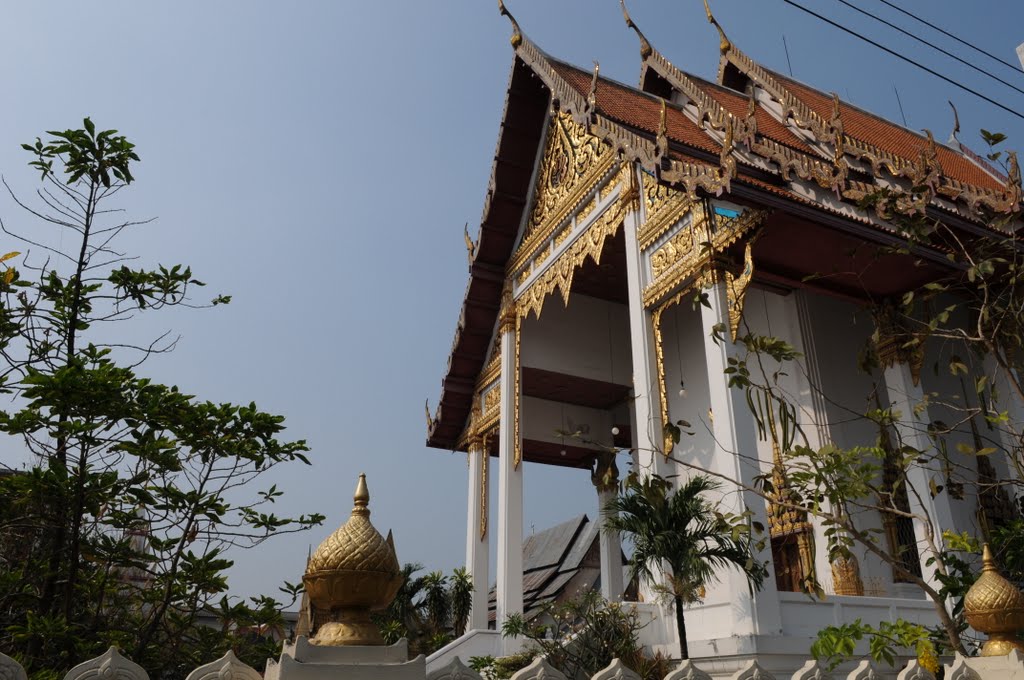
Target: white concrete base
x,y
305,661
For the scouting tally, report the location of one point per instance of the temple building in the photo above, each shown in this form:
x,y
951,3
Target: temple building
x,y
630,237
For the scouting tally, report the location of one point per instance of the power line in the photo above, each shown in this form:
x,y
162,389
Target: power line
x,y
931,45
947,33
907,59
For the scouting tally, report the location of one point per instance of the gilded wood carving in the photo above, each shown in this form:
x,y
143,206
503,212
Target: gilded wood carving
x,y
559,274
663,207
710,234
573,164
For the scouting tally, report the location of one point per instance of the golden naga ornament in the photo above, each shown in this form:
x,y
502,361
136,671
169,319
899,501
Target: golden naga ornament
x,y
352,573
995,606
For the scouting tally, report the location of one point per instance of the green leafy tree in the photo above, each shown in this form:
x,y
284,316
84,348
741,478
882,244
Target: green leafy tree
x,y
121,530
682,530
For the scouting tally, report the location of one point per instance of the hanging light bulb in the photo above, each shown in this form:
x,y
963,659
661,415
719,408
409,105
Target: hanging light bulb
x,y
615,431
682,389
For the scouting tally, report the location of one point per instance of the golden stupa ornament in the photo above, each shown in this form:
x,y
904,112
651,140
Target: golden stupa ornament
x,y
352,573
995,606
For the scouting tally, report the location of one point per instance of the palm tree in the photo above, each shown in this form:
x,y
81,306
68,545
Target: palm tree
x,y
460,597
683,531
404,609
435,600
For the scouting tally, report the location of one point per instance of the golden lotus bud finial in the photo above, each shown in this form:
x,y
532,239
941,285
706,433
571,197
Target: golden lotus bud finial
x,y
995,606
352,573
362,496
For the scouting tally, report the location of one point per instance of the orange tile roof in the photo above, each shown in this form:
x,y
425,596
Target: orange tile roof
x,y
767,124
637,109
888,136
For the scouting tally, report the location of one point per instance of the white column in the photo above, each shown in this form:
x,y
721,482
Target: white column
x,y
647,426
812,412
606,479
908,399
736,457
510,488
477,538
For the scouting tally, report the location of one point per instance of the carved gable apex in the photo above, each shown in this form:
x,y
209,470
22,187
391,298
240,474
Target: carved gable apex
x,y
573,163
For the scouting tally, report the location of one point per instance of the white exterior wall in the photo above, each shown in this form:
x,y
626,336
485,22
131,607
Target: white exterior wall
x,y
947,406
841,332
588,338
683,349
543,420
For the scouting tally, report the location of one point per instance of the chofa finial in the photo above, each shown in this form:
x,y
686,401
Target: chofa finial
x,y
723,42
645,46
956,123
517,34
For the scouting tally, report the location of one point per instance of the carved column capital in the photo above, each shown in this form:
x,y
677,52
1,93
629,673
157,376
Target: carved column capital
x,y
508,313
605,474
893,341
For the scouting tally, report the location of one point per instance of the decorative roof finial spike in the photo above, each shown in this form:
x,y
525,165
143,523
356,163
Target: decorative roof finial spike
x,y
592,94
517,33
661,143
1013,181
956,124
470,246
723,42
645,47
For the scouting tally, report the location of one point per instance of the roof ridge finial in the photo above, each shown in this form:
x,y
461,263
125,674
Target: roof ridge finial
x,y
723,42
1013,181
956,123
661,142
645,46
592,94
517,33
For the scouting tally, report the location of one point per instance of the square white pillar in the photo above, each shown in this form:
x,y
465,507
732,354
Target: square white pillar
x,y
736,457
647,426
912,427
477,535
510,485
611,552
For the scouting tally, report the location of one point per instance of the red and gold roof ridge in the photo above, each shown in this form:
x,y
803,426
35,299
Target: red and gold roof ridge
x,y
864,137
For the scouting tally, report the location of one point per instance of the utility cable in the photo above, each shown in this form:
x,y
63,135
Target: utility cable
x,y
947,33
907,59
931,45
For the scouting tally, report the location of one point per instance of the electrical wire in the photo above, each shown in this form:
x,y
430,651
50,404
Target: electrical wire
x,y
906,59
931,45
948,34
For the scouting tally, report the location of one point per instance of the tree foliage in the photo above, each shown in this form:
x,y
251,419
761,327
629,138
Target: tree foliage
x,y
429,611
121,529
579,637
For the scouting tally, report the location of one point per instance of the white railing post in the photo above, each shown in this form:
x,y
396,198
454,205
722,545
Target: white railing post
x,y
11,669
227,667
108,666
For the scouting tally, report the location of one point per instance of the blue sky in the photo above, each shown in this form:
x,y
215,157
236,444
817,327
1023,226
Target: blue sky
x,y
318,160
